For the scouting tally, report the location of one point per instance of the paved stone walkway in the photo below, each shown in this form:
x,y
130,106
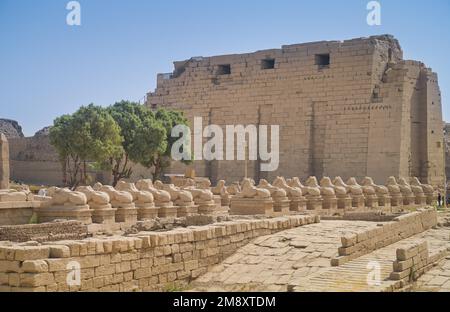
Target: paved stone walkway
x,y
299,260
435,280
272,263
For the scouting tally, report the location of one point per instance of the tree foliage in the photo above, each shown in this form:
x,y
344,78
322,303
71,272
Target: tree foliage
x,y
162,159
143,137
88,135
114,139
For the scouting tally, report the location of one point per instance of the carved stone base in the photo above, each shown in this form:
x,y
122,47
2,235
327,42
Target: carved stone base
x,y
207,207
431,199
147,212
103,214
421,200
314,202
281,206
251,206
329,202
344,202
396,200
218,201
371,201
168,211
225,201
409,200
186,211
384,201
358,202
298,204
79,213
125,212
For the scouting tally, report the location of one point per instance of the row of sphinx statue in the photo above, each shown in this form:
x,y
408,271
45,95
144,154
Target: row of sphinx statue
x,y
332,194
129,202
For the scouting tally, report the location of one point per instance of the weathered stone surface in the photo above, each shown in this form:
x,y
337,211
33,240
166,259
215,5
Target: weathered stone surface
x,y
4,162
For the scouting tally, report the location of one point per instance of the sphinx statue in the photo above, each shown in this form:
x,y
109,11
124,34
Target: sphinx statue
x,y
65,204
234,189
122,201
370,194
252,200
143,200
203,197
250,191
409,197
295,195
394,192
99,202
344,200
355,191
381,191
182,199
430,194
327,190
279,195
312,192
221,190
161,197
418,191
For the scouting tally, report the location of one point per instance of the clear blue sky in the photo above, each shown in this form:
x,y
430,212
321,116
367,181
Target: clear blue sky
x,y
48,68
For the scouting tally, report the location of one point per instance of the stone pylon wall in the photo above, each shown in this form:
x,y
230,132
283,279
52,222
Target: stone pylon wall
x,y
368,113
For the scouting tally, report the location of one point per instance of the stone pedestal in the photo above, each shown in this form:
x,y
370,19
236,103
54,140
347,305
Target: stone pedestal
x,y
281,206
344,202
384,201
207,207
226,201
409,200
78,213
297,204
187,211
218,201
358,202
103,214
431,199
251,206
167,210
147,211
125,212
371,201
396,200
329,202
421,200
314,202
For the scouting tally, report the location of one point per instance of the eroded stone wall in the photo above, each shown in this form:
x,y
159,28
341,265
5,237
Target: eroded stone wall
x,y
148,261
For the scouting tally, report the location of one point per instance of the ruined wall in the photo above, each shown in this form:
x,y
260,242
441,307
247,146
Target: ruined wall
x,y
368,112
35,161
146,262
4,162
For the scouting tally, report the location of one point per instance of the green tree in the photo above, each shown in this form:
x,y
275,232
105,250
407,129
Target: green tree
x,y
143,137
162,159
89,135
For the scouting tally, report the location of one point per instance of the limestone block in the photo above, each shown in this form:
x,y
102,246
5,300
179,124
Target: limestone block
x,y
251,206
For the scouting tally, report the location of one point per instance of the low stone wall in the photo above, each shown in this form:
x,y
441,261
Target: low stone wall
x,y
414,260
148,261
45,232
356,245
13,213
